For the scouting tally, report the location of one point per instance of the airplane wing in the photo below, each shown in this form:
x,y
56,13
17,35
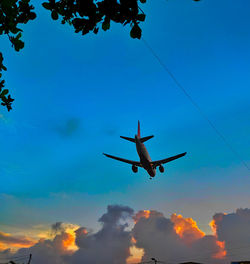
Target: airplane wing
x,y
136,163
159,162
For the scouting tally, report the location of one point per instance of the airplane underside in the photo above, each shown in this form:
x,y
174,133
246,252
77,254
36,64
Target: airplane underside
x,y
145,160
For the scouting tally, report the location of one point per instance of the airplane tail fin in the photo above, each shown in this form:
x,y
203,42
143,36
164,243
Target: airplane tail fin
x,y
138,135
139,130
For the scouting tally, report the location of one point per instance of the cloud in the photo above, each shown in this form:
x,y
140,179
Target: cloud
x,y
176,239
60,227
109,245
48,251
8,240
53,250
5,255
156,235
186,228
69,127
112,241
234,230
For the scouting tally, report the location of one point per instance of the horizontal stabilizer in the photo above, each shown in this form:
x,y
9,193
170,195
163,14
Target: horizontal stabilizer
x,y
128,138
146,138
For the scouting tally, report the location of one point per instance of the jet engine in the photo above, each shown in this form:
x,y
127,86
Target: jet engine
x,y
161,168
134,168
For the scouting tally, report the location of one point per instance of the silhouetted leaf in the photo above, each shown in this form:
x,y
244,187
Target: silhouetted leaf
x,y
19,35
32,15
96,30
135,32
141,17
4,92
106,24
46,6
18,44
54,15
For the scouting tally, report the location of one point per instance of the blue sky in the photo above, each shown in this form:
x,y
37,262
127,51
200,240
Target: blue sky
x,y
75,95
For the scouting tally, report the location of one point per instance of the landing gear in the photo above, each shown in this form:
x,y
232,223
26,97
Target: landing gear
x,y
161,169
134,169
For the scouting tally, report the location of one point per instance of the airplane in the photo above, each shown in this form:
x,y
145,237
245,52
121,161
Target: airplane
x,y
145,160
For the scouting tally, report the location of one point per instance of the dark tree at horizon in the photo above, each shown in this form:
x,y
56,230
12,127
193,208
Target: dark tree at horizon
x,y
84,15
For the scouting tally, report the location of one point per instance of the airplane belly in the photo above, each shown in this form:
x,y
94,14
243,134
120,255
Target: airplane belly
x,y
142,151
145,159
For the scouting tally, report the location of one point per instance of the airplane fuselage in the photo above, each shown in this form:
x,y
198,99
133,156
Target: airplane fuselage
x,y
144,157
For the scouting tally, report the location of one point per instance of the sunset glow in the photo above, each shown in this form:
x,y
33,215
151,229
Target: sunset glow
x,y
129,135
141,214
186,228
221,244
15,242
222,252
136,255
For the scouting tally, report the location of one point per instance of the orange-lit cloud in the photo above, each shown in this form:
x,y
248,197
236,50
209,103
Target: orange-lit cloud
x,y
69,241
65,236
2,246
142,214
15,242
133,240
215,221
221,244
135,253
186,228
222,252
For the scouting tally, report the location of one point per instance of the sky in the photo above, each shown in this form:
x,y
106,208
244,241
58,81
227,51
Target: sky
x,y
75,95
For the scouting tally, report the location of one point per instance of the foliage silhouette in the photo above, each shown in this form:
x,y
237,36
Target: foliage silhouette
x,y
12,14
84,15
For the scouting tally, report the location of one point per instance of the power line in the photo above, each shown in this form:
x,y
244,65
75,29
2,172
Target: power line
x,y
220,135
